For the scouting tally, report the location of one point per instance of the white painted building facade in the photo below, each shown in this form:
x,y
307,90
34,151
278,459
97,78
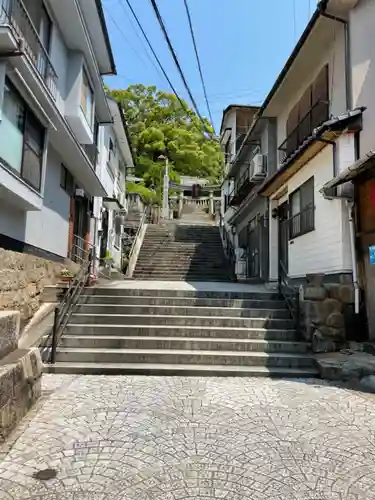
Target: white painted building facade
x,y
52,107
317,104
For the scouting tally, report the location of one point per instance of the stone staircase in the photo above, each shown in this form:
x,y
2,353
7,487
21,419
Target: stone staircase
x,y
181,332
186,252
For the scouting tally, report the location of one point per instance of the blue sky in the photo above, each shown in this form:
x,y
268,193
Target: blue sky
x,y
243,45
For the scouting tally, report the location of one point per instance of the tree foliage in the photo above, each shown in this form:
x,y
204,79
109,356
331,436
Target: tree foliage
x,y
159,125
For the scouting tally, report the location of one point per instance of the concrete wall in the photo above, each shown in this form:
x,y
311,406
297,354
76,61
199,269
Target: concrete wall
x,y
324,250
48,228
362,21
12,221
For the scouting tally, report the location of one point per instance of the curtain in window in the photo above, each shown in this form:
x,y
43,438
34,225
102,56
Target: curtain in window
x,y
11,130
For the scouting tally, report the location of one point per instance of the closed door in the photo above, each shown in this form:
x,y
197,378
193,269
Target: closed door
x,y
283,239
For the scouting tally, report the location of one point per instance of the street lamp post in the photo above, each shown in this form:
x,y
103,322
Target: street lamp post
x,y
165,211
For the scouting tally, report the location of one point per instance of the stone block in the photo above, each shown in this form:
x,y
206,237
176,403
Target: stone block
x,y
9,331
329,332
367,383
20,387
315,279
343,293
314,293
336,320
322,344
345,366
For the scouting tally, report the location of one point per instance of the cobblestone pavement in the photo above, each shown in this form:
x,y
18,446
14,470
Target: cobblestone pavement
x,y
146,438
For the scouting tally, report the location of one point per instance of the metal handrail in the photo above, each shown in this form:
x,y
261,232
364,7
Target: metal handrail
x,y
307,118
290,295
140,226
64,310
19,19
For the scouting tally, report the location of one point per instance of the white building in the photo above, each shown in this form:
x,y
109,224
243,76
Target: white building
x,y
52,103
115,156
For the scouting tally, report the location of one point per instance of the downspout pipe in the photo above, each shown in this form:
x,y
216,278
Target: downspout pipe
x,y
348,78
350,207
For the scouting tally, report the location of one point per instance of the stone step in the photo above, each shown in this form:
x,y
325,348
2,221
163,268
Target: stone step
x,y
198,293
177,265
216,332
224,278
184,357
153,319
182,343
182,301
141,310
178,370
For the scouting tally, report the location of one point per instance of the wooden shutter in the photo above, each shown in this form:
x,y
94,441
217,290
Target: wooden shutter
x,y
320,98
292,130
304,129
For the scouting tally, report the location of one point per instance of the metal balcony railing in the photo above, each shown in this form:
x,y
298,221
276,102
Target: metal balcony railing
x,y
316,115
15,14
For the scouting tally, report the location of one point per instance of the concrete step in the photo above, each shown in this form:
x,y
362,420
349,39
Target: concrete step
x,y
181,311
179,370
215,332
184,357
182,343
153,319
182,302
197,293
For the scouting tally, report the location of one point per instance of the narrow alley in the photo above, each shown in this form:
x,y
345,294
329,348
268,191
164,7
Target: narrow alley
x,y
144,438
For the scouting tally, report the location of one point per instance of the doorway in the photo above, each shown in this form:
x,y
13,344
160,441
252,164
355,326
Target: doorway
x,y
283,215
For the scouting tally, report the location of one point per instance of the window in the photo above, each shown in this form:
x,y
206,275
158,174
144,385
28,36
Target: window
x,y
111,150
22,138
67,181
87,100
309,112
302,210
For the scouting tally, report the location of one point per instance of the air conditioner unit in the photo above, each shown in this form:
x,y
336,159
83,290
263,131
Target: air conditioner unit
x,y
257,168
80,193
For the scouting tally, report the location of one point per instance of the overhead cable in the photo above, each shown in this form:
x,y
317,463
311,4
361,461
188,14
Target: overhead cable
x,y
198,62
177,63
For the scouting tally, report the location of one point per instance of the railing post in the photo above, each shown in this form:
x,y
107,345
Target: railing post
x,y
54,336
298,310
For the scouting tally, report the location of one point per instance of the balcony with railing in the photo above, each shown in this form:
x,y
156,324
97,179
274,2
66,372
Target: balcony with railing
x,y
14,14
252,175
316,115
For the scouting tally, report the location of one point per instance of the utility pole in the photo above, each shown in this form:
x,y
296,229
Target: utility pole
x,y
165,211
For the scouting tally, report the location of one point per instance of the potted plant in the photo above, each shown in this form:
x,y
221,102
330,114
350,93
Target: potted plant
x,y
66,275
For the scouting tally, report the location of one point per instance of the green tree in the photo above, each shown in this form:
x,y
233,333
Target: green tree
x,y
158,124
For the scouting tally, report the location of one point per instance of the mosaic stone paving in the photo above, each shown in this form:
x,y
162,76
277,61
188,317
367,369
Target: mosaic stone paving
x,y
145,438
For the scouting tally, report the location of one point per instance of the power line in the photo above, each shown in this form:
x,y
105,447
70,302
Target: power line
x,y
198,62
183,105
175,58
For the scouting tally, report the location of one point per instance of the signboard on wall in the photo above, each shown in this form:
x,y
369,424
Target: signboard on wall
x,y
371,250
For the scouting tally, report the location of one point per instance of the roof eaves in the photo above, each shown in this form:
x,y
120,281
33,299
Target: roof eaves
x,y
106,37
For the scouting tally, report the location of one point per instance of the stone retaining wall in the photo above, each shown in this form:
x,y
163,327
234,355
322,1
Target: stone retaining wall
x,y
20,375
322,308
23,278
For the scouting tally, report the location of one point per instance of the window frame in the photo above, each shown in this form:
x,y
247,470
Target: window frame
x,y
86,84
66,180
306,212
27,139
